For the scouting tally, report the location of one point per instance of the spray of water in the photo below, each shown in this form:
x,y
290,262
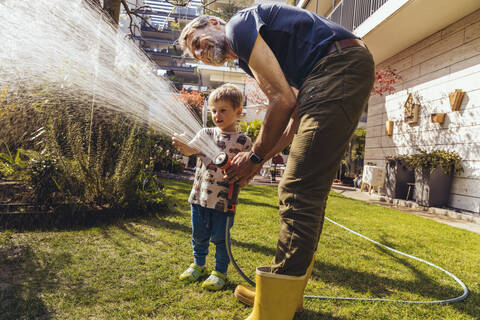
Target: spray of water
x,y
70,49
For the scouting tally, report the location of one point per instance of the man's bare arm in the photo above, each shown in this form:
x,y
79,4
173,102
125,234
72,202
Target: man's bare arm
x,y
282,100
274,134
286,137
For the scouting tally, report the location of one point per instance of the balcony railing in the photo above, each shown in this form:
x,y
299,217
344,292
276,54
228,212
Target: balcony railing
x,y
351,13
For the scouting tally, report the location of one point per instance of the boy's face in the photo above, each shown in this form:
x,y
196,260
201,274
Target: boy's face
x,y
224,116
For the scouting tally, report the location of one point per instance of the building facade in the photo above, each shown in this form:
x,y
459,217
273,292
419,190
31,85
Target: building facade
x,y
160,43
434,46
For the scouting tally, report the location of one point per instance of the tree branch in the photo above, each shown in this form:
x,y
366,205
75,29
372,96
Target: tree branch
x,y
132,13
177,3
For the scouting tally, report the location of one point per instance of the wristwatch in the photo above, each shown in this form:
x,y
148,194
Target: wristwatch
x,y
255,158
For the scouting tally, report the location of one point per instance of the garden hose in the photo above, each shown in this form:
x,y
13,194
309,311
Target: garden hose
x,y
223,162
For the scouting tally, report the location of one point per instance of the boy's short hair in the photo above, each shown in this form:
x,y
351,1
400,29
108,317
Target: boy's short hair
x,y
227,92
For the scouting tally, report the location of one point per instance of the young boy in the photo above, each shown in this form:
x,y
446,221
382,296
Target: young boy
x,y
209,192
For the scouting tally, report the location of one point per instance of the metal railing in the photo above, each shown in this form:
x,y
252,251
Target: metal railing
x,y
351,13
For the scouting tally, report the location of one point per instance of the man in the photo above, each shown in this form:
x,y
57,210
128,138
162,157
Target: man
x,y
288,49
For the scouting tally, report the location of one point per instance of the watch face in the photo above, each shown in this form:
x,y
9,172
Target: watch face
x,y
254,158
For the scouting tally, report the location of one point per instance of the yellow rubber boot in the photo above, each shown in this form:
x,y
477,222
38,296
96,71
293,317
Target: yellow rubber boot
x,y
276,295
246,294
307,276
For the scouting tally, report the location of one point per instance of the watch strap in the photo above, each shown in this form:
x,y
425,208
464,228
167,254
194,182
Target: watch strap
x,y
255,158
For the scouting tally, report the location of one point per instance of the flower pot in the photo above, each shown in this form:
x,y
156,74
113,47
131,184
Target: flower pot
x,y
456,98
411,110
389,127
432,189
398,174
437,117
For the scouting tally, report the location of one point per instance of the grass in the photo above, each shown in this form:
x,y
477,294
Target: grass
x,y
129,269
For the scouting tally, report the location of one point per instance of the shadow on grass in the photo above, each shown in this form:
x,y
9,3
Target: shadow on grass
x,y
166,224
26,277
383,287
250,202
261,191
433,290
17,299
315,315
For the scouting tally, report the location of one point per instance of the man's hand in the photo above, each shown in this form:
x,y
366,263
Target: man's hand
x,y
242,170
184,148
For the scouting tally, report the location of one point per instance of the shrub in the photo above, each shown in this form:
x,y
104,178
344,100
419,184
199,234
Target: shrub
x,y
13,167
251,128
84,155
43,176
449,161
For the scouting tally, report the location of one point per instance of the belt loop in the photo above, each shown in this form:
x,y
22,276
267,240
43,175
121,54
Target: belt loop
x,y
338,47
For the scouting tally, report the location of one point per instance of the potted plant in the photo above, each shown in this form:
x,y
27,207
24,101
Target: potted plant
x,y
397,175
433,176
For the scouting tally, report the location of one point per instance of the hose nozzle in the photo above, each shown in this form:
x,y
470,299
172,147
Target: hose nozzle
x,y
223,161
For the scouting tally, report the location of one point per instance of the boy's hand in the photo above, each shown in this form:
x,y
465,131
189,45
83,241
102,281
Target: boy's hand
x,y
184,148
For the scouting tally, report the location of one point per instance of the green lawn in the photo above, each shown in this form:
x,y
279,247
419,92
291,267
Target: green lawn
x,y
129,269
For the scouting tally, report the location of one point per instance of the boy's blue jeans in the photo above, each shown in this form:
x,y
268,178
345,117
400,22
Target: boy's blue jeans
x,y
209,225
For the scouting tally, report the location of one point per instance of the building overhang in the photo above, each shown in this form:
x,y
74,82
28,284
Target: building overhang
x,y
187,74
399,24
213,76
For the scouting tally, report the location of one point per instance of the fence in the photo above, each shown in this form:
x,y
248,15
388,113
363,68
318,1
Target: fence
x,y
351,13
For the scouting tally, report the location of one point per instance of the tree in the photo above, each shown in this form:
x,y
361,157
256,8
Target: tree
x,y
112,8
253,93
355,153
227,10
194,100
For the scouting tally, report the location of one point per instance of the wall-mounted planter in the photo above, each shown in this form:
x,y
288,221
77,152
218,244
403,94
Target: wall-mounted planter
x,y
438,117
389,127
456,98
411,110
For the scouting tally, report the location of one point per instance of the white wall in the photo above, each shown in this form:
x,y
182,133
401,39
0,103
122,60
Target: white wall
x,y
430,69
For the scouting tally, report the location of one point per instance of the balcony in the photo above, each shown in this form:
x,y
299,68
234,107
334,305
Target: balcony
x,y
352,13
390,26
190,15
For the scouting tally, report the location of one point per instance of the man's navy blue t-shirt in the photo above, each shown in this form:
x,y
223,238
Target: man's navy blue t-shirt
x,y
297,37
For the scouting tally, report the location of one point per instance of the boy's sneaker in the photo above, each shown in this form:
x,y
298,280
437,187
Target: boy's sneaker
x,y
193,273
216,281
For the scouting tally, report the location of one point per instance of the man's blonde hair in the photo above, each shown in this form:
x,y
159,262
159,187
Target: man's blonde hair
x,y
197,23
227,92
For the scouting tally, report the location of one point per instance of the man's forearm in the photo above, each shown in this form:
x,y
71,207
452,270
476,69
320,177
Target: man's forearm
x,y
272,131
286,137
